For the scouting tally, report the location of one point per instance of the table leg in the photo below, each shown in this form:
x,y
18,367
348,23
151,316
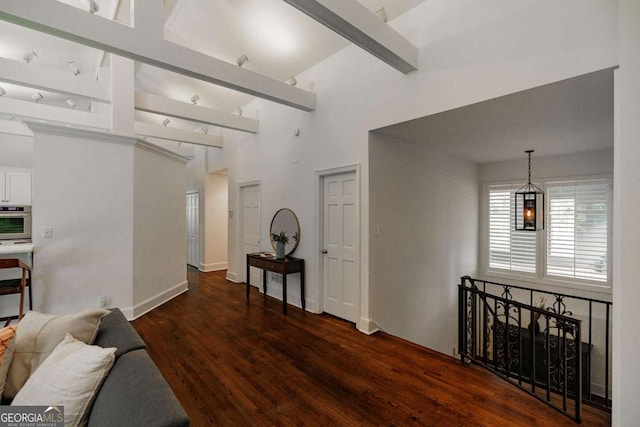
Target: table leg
x,y
248,278
264,282
302,287
284,294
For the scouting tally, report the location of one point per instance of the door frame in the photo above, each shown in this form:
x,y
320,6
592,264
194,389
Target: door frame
x,y
320,176
199,233
241,270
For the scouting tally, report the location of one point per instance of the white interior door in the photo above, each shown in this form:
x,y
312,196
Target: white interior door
x,y
250,197
341,246
193,229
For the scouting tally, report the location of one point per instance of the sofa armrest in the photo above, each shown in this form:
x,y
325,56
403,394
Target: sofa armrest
x,y
136,394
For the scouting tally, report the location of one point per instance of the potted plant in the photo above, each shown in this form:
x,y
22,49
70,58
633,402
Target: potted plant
x,y
281,239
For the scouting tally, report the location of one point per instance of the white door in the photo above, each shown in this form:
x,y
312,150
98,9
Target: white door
x,y
193,229
3,198
250,199
340,272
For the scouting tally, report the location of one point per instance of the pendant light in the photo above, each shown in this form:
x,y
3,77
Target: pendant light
x,y
529,205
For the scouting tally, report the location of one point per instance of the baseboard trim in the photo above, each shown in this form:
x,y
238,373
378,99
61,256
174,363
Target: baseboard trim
x,y
155,301
367,326
232,277
216,266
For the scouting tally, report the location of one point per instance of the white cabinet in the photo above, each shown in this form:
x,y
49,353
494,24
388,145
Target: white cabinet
x,y
15,187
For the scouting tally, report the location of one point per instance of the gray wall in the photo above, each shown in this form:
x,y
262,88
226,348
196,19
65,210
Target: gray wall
x,y
425,204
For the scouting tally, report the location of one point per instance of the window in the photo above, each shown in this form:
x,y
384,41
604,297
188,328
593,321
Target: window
x,y
508,249
573,247
577,234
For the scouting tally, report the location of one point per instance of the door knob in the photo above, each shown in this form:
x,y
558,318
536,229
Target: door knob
x,y
324,251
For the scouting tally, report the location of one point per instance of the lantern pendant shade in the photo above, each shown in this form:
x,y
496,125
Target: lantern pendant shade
x,y
529,205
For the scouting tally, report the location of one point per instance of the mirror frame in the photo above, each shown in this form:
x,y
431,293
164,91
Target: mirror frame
x,y
297,241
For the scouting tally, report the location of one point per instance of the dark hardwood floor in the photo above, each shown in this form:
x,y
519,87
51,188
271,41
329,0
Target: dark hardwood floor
x,y
233,363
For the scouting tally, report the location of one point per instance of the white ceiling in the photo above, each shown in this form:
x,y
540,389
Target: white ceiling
x,y
279,40
565,117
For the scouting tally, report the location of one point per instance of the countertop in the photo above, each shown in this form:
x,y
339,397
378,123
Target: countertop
x,y
16,248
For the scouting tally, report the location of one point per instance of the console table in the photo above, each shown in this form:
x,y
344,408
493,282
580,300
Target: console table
x,y
284,267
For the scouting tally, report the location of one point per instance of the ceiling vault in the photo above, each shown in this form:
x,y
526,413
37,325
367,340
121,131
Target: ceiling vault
x,y
356,23
60,20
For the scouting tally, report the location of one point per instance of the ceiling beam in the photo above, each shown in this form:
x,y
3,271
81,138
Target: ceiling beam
x,y
14,127
179,135
182,110
70,23
356,23
33,110
34,76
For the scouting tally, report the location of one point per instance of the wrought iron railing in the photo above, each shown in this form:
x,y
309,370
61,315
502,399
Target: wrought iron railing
x,y
539,346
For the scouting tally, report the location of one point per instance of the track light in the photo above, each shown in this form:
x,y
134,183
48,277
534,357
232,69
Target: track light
x,y
37,97
292,81
166,122
91,6
242,60
73,67
239,111
195,99
31,56
71,103
2,91
89,105
382,14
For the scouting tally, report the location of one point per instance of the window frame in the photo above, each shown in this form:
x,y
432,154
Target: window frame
x,y
540,276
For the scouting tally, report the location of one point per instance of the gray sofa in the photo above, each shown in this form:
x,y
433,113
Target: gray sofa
x,y
134,393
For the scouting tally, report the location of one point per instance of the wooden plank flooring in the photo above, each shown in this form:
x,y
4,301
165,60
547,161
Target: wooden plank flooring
x,y
233,363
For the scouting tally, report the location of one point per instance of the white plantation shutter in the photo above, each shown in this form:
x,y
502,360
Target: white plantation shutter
x,y
577,229
508,249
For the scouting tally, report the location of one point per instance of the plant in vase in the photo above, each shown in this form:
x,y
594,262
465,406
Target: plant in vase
x,y
281,239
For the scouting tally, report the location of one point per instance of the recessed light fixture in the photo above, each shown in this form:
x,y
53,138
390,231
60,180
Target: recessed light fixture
x,y
243,59
2,91
91,5
239,111
73,67
71,103
166,122
195,99
37,97
292,80
31,56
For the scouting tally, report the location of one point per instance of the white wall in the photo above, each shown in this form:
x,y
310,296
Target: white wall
x,y
572,165
159,216
469,52
626,268
424,203
216,222
83,189
16,151
116,205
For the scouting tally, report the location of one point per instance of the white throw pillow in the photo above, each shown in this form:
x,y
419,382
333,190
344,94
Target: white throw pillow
x,y
38,334
70,377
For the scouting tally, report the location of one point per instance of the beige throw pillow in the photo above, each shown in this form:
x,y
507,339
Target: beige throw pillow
x,y
71,377
38,334
7,345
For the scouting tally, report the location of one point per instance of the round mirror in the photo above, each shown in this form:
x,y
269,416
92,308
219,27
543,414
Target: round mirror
x,y
285,221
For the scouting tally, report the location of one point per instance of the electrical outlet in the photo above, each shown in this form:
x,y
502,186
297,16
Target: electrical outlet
x,y
47,232
102,301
